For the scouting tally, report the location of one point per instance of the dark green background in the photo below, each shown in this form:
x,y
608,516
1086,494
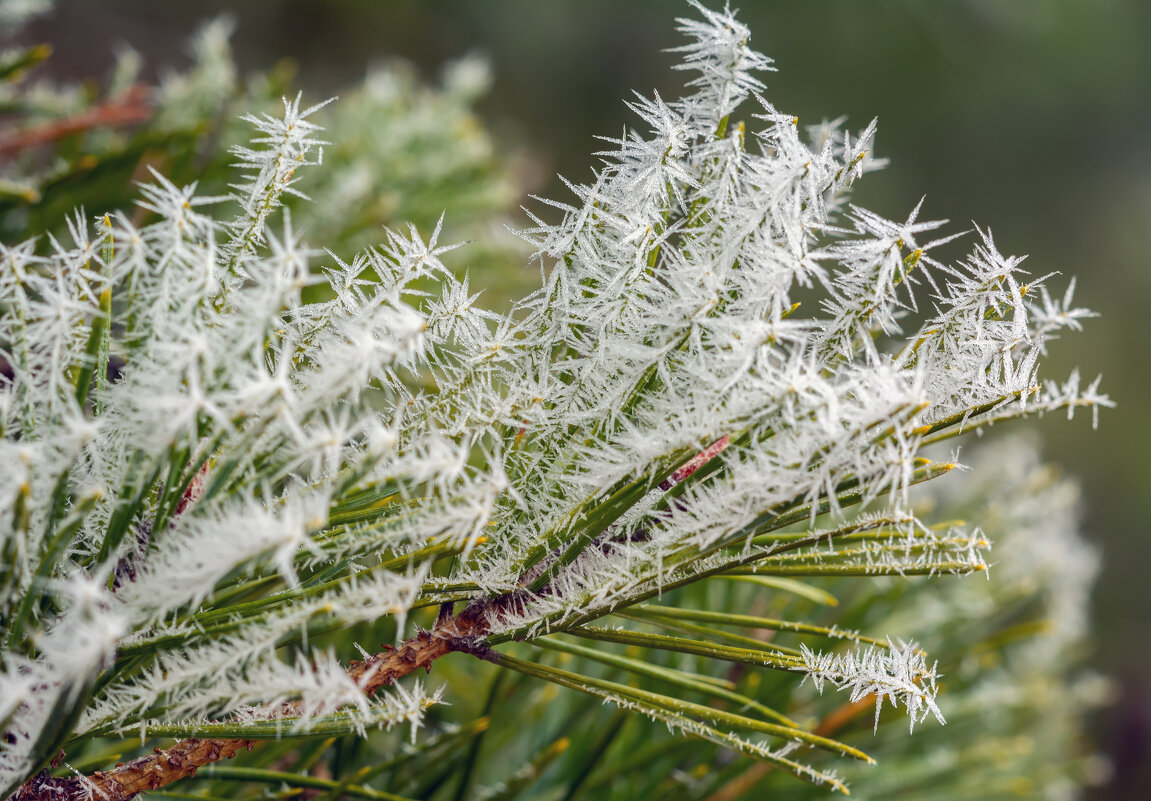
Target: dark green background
x,y
1030,116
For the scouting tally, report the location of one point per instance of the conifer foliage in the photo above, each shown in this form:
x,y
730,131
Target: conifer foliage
x,y
227,455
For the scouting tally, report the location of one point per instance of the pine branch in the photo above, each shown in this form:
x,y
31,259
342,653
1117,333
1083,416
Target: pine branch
x,y
741,785
264,468
463,633
130,107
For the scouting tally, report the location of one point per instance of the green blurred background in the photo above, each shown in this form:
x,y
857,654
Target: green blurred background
x,y
1032,117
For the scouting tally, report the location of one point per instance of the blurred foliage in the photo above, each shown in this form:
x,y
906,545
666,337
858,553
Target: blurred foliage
x,y
402,151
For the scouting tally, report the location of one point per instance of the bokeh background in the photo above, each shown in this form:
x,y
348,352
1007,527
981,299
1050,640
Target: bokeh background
x,y
1032,117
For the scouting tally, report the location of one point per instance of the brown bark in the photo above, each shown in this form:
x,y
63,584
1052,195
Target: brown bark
x,y
132,106
464,632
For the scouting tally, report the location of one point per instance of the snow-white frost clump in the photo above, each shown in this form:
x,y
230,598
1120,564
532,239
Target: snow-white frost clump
x,y
899,674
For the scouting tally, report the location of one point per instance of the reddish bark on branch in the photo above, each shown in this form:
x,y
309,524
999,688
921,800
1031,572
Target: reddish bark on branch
x,y
131,106
464,632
